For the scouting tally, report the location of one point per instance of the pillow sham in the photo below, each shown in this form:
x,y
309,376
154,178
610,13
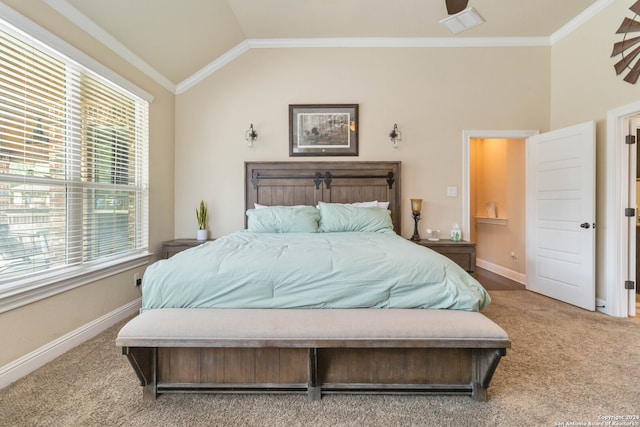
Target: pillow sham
x,y
283,219
341,218
259,206
372,204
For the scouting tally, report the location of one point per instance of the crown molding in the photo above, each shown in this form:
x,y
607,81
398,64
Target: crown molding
x,y
213,66
87,25
580,20
398,42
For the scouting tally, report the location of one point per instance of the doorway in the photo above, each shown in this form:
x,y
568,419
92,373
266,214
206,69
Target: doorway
x,y
488,162
497,205
620,245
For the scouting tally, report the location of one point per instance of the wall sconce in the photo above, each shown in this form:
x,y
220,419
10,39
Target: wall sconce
x,y
395,136
416,207
251,136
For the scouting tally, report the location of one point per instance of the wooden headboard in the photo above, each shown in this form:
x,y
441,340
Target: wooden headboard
x,y
307,183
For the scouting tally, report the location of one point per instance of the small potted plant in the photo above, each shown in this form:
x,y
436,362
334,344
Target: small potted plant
x,y
201,216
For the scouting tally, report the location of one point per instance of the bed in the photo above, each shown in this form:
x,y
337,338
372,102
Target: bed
x,y
318,295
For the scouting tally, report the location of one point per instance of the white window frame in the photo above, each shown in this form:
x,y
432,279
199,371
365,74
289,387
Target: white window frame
x,y
49,283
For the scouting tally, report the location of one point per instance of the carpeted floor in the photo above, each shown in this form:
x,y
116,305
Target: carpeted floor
x,y
566,366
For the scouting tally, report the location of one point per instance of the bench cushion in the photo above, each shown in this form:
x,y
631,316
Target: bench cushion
x,y
188,327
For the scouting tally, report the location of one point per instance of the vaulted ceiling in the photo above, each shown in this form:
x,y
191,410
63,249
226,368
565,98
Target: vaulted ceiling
x,y
178,38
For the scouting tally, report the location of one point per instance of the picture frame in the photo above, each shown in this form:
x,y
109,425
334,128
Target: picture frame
x,y
323,130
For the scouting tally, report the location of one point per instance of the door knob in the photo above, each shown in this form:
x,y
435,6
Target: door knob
x,y
585,225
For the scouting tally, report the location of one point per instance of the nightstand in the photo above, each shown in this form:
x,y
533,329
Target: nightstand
x,y
462,253
172,247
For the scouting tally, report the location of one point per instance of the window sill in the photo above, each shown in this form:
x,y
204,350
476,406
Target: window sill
x,y
35,289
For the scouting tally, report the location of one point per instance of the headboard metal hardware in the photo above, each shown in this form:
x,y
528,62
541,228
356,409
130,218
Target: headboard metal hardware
x,y
256,177
318,178
390,180
327,179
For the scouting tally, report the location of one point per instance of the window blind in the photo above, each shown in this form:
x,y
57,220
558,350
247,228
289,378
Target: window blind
x,y
73,163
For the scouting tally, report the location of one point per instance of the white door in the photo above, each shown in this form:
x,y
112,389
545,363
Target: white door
x,y
561,214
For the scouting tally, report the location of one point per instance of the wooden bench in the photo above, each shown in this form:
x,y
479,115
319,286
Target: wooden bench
x,y
313,351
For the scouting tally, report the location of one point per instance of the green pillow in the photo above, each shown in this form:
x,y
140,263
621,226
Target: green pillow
x,y
340,218
283,219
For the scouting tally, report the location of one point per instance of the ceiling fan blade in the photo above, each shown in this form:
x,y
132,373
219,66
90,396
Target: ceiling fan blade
x,y
455,6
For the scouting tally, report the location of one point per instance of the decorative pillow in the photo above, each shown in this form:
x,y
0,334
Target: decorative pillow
x,y
339,218
259,206
372,204
283,219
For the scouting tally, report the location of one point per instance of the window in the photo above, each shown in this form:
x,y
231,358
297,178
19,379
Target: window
x,y
73,165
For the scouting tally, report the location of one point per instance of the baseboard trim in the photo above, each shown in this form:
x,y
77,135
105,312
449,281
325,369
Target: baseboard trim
x,y
502,271
28,363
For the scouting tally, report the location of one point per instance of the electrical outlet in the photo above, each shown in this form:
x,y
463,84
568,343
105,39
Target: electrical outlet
x,y
137,281
514,256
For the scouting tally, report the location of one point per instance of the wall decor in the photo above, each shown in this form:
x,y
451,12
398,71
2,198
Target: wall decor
x,y
323,130
626,48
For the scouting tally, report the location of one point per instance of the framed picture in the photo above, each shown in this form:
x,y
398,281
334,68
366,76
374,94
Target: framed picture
x,y
323,130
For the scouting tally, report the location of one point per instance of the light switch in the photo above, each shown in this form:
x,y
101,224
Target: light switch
x,y
452,191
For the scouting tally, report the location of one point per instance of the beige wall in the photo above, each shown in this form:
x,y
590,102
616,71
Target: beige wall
x,y
433,94
585,87
27,328
498,175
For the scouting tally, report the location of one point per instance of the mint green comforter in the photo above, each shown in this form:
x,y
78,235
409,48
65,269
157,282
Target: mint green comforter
x,y
311,270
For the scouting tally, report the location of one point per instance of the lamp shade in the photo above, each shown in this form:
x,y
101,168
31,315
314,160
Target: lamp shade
x,y
416,205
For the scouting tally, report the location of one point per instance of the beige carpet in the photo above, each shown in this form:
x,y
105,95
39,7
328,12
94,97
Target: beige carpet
x,y
566,366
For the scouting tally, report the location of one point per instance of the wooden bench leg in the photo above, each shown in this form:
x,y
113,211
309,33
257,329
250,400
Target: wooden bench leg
x,y
149,392
485,362
313,389
143,360
314,394
478,393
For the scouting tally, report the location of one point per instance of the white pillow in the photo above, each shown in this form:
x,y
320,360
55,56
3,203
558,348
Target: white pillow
x,y
259,206
372,204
